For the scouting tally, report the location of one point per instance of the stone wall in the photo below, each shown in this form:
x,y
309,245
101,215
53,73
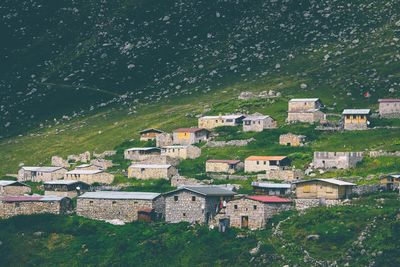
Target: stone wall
x,y
152,173
12,190
179,181
307,117
259,125
303,204
298,106
238,143
70,194
285,175
107,153
336,160
103,164
291,140
160,159
57,161
366,189
229,176
185,208
40,176
220,167
164,139
84,157
187,152
389,110
138,155
375,154
102,178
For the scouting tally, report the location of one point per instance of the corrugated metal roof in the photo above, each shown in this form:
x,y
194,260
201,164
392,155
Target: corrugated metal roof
x,y
255,117
190,130
150,166
232,116
270,199
389,100
356,111
10,182
84,171
150,130
271,185
330,181
120,195
41,169
397,176
142,148
304,100
205,190
266,158
227,161
175,146
30,198
62,182
83,166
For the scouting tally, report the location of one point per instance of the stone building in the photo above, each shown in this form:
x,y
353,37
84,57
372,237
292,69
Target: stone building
x,y
102,164
390,182
356,119
270,189
290,139
87,166
141,153
28,205
90,176
195,204
336,160
41,174
305,110
211,122
152,171
258,123
265,163
284,174
389,108
65,188
253,212
323,188
189,136
13,188
149,134
223,166
124,206
164,139
181,152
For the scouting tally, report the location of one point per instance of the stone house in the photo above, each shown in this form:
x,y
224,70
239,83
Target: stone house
x,y
65,188
265,163
258,123
305,110
253,212
124,206
181,152
323,188
290,139
223,166
390,182
87,167
28,205
149,134
270,189
152,171
164,139
285,174
336,160
195,204
189,136
356,119
90,176
211,122
141,153
13,188
389,108
41,174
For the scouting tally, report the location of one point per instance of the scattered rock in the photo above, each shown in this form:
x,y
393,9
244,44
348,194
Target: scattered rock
x,y
312,237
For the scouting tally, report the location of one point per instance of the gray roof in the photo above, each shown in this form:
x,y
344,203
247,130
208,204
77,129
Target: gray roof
x,y
255,117
356,111
84,165
304,100
142,148
150,166
330,181
84,171
63,182
230,116
120,195
10,182
397,176
41,169
175,146
205,190
271,185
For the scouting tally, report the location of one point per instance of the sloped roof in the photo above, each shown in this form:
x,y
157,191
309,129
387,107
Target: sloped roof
x,y
227,161
150,130
142,148
62,182
84,171
267,158
304,100
271,185
330,181
190,130
150,166
231,116
41,169
84,165
10,182
270,199
256,117
205,190
356,111
120,195
30,198
388,100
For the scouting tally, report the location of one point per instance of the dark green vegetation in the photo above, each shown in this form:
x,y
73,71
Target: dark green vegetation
x,y
47,240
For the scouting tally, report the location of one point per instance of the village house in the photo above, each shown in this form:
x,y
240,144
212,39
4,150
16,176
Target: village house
x,y
195,204
28,205
336,160
290,139
123,206
41,174
323,188
141,153
253,212
390,182
189,136
389,108
65,188
152,171
90,176
305,110
258,123
265,163
211,122
285,174
356,119
181,152
87,167
13,188
149,134
223,166
270,189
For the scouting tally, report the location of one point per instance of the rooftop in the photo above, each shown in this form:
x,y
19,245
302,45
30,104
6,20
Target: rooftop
x,y
142,148
190,130
228,161
175,146
255,117
150,166
389,100
271,185
62,182
84,171
83,166
270,199
356,111
30,198
330,181
10,182
150,130
205,190
304,100
266,158
231,116
41,169
120,195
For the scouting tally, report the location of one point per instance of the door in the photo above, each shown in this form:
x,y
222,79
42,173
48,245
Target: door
x,y
245,222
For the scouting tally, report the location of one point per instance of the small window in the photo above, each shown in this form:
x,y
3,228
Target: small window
x,y
114,202
17,205
254,207
91,202
135,202
184,214
235,207
258,163
176,198
193,198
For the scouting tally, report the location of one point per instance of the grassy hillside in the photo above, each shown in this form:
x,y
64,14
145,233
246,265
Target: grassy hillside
x,y
363,234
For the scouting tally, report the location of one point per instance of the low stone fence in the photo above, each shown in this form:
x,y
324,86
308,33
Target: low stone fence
x,y
303,204
375,154
229,177
238,143
366,189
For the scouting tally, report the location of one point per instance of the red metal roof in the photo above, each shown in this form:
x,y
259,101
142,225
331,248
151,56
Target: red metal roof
x,y
389,100
20,198
267,158
270,199
189,130
228,161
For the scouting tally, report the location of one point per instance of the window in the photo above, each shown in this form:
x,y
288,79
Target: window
x,y
348,117
362,117
176,198
114,202
258,163
265,163
306,189
254,207
247,122
184,214
354,116
193,198
235,207
17,205
229,120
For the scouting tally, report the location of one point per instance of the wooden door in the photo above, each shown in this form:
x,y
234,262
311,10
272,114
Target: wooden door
x,y
245,221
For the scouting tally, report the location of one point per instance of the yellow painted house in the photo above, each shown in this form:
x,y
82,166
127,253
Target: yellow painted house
x,y
323,188
188,136
356,119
